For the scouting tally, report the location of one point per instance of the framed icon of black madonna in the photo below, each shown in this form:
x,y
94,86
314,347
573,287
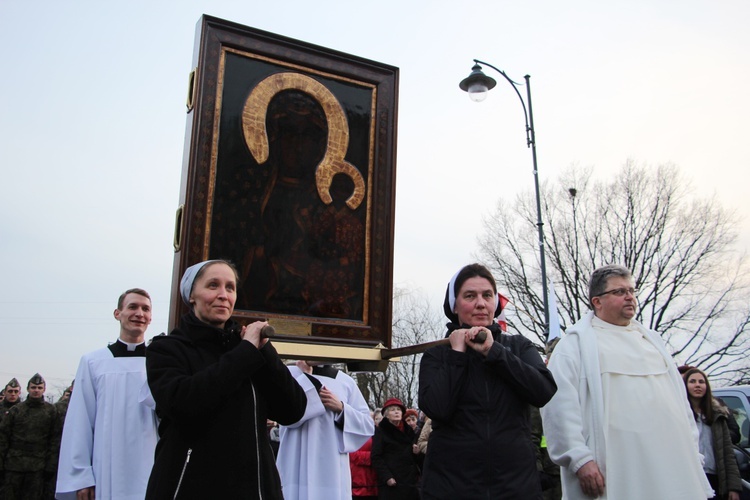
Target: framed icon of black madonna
x,y
289,173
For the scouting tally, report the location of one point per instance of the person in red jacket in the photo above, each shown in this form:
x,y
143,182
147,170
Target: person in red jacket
x,y
364,476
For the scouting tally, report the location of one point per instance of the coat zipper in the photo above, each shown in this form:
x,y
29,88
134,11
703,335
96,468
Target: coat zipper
x,y
257,442
182,474
489,426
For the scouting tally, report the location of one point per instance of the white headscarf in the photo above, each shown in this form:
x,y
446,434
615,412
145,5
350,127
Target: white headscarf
x,y
186,283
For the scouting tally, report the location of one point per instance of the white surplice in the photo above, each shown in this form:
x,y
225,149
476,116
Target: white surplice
x,y
313,459
109,435
650,450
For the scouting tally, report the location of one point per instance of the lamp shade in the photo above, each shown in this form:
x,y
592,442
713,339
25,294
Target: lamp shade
x,y
477,84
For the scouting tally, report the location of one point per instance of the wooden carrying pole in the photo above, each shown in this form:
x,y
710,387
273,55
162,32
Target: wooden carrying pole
x,y
418,348
411,349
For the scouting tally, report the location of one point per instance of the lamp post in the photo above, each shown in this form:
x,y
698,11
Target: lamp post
x,y
577,275
477,84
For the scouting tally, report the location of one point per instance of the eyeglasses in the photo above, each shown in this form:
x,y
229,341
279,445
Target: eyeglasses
x,y
619,292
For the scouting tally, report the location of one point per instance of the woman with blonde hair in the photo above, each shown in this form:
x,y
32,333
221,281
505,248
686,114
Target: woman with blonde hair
x,y
216,384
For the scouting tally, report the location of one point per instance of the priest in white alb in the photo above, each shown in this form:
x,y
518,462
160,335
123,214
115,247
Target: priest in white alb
x,y
110,430
313,459
620,425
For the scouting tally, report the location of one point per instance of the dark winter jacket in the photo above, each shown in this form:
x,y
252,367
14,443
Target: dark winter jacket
x,y
734,428
29,437
726,463
480,445
213,393
5,407
393,457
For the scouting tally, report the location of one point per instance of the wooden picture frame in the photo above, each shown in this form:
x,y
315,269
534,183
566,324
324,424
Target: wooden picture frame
x,y
289,172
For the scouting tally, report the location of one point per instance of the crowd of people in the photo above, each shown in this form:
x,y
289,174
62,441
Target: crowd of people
x,y
211,410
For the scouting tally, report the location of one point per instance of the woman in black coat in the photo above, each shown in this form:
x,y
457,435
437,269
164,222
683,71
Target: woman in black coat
x,y
477,393
215,384
394,455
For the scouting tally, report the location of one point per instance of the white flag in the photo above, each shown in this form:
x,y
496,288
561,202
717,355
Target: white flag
x,y
554,320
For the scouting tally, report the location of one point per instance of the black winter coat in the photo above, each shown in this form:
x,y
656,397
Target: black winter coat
x,y
392,457
213,393
480,445
727,471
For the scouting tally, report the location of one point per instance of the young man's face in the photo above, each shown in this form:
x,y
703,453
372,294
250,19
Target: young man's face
x,y
12,394
134,317
36,390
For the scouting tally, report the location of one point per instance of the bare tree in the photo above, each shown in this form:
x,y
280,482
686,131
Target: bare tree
x,y
414,322
692,280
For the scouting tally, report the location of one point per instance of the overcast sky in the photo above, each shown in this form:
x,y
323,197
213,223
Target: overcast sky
x,y
92,119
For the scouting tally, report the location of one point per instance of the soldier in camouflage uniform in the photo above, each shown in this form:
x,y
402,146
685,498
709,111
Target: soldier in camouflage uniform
x,y
29,444
62,404
12,393
61,407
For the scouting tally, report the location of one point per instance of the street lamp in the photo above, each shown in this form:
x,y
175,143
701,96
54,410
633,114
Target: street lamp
x,y
577,275
477,84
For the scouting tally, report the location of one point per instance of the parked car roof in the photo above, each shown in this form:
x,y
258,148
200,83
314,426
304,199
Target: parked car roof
x,y
745,389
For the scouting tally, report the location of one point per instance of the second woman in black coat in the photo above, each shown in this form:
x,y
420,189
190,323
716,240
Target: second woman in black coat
x,y
477,394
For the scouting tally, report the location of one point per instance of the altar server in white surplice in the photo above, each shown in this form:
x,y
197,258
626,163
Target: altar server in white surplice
x,y
110,429
619,424
313,458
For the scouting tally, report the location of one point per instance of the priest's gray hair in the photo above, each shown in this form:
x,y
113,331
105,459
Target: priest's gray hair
x,y
598,281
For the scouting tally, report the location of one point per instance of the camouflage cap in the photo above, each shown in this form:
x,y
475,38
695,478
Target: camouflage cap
x,y
13,383
36,380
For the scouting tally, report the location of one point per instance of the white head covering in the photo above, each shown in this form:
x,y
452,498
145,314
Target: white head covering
x,y
452,291
186,283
